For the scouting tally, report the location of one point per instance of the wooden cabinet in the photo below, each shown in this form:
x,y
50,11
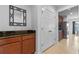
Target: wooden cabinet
x,y
60,27
61,19
22,44
60,35
13,48
28,44
8,40
11,45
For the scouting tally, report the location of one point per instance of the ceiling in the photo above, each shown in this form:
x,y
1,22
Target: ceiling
x,y
70,11
60,8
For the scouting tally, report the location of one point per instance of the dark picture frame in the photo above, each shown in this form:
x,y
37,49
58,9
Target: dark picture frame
x,y
17,16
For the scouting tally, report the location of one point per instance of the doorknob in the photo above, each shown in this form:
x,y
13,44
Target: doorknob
x,y
49,31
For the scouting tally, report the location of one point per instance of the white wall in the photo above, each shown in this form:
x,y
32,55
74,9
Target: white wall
x,y
35,14
36,21
48,22
4,18
70,18
34,17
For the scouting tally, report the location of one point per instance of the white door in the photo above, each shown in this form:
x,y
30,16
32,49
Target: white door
x,y
48,36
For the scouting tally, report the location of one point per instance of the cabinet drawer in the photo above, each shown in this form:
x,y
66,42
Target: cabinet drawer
x,y
31,36
9,40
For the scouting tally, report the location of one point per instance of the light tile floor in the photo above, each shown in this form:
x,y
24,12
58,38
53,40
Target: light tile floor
x,y
65,46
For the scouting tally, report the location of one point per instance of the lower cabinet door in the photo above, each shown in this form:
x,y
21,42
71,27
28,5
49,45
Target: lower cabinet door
x,y
28,46
13,48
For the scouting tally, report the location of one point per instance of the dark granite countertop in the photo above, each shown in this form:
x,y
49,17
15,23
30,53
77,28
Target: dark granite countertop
x,y
7,34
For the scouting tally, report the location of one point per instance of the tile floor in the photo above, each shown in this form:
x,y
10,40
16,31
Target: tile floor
x,y
65,46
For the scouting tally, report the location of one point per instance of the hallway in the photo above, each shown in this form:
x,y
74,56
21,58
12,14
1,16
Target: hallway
x,y
65,46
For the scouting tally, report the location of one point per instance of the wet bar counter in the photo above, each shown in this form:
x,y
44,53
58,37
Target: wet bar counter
x,y
17,42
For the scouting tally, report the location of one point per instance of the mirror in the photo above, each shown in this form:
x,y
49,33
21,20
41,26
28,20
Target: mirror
x,y
17,16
